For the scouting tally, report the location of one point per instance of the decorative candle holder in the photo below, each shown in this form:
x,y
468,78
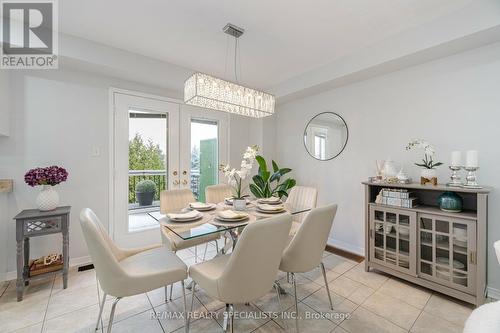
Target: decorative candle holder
x,y
456,180
470,180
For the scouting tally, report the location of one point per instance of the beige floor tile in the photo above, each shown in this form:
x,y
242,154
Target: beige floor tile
x,y
3,287
270,327
364,321
171,314
210,303
449,309
339,329
316,275
15,315
344,286
407,292
309,321
157,296
338,264
143,322
371,279
247,318
65,301
393,309
82,320
342,307
37,328
76,280
269,302
361,294
36,289
326,254
126,307
428,323
205,325
305,287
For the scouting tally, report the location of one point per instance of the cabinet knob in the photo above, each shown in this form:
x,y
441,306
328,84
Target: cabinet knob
x,y
184,172
174,173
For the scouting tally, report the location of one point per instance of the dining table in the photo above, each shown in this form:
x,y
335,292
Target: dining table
x,y
209,223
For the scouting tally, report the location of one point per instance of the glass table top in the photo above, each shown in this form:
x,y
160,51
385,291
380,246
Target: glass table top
x,y
203,227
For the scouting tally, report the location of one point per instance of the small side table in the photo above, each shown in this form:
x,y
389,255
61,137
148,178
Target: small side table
x,y
32,223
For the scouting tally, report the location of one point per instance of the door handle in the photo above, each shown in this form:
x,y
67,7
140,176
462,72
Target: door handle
x,y
174,173
176,182
184,172
184,182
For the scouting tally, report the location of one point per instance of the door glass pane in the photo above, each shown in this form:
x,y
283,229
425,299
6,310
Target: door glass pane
x,y
147,166
379,215
426,268
204,156
390,217
404,220
442,226
425,223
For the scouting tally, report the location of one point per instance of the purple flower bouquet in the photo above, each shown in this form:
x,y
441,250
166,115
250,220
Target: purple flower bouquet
x,y
52,176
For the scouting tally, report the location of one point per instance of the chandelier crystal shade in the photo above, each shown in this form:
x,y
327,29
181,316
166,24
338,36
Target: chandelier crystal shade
x,y
210,92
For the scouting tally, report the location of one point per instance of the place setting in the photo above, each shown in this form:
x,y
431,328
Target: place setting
x,y
185,218
269,209
231,218
201,206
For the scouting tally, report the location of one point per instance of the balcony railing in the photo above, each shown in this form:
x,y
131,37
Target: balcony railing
x,y
159,177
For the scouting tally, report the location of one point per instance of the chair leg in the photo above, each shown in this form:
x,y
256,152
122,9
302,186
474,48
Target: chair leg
x,y
195,254
185,306
288,277
216,247
326,285
100,311
205,253
225,323
112,314
171,291
294,281
193,288
231,316
280,307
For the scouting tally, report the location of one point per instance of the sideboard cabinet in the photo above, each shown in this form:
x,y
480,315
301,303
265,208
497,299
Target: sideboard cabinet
x,y
440,250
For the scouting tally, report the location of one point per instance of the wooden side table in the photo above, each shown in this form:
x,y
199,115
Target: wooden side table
x,y
33,223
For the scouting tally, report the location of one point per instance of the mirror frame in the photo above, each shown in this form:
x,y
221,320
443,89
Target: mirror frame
x,y
305,132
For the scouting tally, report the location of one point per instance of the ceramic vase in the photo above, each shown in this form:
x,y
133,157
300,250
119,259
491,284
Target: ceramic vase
x,y
450,202
47,199
239,204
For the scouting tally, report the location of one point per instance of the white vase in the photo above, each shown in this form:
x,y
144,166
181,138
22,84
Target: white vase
x,y
47,199
428,173
239,204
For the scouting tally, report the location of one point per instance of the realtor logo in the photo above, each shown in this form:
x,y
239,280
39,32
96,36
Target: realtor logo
x,y
29,34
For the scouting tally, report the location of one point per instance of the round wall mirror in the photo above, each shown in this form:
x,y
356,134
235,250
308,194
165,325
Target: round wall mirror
x,y
325,136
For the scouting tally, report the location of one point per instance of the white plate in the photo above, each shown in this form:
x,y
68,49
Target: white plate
x,y
271,211
207,207
264,201
222,219
189,219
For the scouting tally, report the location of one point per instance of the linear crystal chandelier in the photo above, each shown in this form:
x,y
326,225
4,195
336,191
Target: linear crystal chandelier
x,y
210,92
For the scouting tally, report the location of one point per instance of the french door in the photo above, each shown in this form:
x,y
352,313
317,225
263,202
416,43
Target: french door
x,y
160,144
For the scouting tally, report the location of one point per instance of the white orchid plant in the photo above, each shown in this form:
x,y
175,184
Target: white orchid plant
x,y
429,152
235,177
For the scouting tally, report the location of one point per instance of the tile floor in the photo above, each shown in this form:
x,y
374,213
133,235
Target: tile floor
x,y
363,302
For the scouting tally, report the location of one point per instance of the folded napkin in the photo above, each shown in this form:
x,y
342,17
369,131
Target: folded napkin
x,y
270,207
196,205
231,214
182,216
270,200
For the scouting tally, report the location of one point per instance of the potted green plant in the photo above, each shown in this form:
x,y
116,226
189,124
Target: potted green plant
x,y
145,192
267,184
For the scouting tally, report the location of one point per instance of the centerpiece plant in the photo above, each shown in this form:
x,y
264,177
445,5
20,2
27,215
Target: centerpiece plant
x,y
235,178
267,184
428,165
47,178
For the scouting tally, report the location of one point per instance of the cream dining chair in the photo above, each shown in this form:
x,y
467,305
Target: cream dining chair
x,y
486,318
128,272
217,193
305,250
173,201
250,271
301,197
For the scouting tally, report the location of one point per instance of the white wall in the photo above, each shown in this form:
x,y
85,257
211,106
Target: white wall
x,y
57,117
453,102
4,102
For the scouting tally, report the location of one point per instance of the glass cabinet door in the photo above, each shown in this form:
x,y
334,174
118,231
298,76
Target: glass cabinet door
x,y
447,250
393,238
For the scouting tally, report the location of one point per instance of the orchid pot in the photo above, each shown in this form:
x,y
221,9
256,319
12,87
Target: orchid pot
x,y
47,199
239,204
47,178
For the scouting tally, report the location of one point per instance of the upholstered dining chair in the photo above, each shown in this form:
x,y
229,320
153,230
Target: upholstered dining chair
x,y
305,250
217,193
127,272
173,201
301,197
486,318
249,272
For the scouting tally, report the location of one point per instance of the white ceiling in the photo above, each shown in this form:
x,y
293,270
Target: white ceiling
x,y
283,38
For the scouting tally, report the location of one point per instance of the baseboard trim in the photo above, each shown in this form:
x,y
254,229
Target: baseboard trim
x,y
12,275
341,245
493,293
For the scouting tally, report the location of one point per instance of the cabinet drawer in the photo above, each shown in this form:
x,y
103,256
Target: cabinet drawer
x,y
42,226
